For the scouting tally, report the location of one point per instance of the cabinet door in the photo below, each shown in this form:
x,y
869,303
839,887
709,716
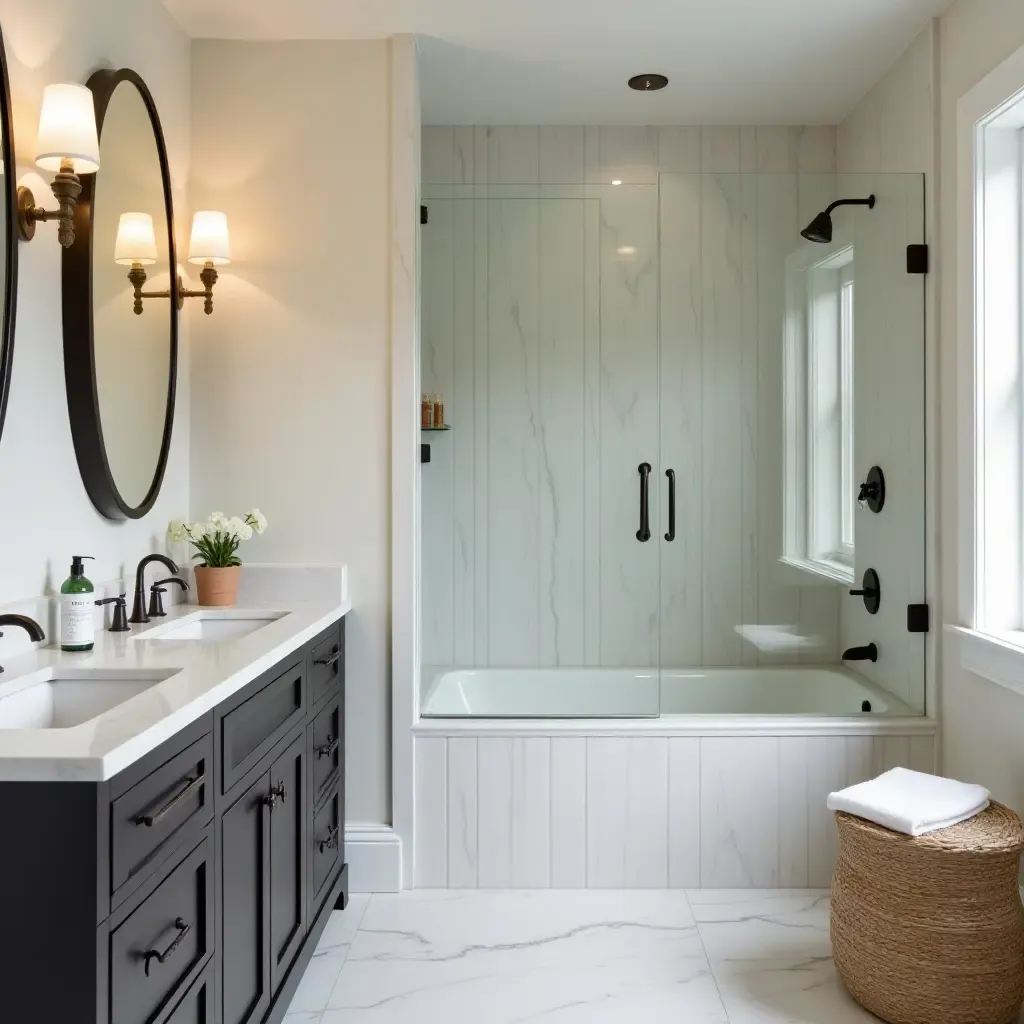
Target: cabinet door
x,y
245,906
287,858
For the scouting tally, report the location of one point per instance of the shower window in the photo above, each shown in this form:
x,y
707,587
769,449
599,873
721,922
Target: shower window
x,y
820,491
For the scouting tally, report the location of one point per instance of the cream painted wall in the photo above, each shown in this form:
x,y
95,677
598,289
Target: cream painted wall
x,y
45,514
291,375
899,127
982,723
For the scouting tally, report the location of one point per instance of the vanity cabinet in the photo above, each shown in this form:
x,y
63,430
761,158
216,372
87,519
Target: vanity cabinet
x,y
191,888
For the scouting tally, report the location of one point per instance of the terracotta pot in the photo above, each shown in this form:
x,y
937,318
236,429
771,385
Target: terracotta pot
x,y
217,587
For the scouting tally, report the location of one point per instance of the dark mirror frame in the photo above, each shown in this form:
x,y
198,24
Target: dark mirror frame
x,y
79,353
10,241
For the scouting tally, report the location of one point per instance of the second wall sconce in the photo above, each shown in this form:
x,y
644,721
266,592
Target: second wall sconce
x,y
69,145
136,248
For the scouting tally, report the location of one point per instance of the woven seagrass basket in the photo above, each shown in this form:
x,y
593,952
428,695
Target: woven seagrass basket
x,y
931,929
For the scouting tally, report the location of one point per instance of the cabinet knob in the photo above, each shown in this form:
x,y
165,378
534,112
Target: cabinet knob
x,y
328,748
277,793
332,838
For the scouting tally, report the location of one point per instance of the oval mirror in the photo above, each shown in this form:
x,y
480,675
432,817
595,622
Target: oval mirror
x,y
120,305
9,243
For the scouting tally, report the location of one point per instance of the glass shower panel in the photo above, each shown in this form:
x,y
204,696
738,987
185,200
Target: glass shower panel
x,y
768,452
540,331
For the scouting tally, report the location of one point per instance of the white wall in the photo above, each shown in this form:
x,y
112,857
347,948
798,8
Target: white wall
x,y
561,373
45,514
982,723
896,128
291,375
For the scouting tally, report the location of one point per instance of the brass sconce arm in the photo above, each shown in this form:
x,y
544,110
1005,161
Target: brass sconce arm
x,y
137,277
208,275
67,187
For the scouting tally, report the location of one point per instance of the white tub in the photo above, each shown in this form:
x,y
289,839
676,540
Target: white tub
x,y
588,693
571,778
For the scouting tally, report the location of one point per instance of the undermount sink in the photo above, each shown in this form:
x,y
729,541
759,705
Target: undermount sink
x,y
63,698
211,625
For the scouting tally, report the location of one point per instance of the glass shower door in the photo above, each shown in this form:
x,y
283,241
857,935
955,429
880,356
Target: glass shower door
x,y
540,524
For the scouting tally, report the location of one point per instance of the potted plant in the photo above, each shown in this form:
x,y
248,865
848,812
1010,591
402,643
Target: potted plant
x,y
216,542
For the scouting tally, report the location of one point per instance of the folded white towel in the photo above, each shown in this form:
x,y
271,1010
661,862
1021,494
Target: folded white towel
x,y
911,802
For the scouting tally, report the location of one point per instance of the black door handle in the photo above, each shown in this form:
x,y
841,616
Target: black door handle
x,y
163,957
644,533
671,474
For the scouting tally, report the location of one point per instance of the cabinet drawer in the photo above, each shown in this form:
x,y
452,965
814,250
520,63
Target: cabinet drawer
x,y
254,726
167,808
326,663
158,949
197,1006
327,751
327,841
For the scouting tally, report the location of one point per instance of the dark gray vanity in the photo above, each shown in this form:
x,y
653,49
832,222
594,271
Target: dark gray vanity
x,y
192,887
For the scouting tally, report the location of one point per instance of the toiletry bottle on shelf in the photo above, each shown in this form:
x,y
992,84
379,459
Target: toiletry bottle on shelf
x,y
426,415
439,411
76,608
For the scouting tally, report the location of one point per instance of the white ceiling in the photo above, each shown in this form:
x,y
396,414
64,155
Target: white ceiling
x,y
567,61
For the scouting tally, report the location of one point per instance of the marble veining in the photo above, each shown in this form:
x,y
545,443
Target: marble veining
x,y
706,957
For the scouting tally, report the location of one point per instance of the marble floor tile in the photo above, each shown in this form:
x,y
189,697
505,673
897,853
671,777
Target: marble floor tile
x,y
502,958
325,967
762,925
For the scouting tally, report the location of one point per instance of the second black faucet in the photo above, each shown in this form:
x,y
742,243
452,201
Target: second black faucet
x,y
139,605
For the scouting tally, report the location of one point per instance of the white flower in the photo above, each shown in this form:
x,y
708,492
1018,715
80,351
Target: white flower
x,y
196,531
256,519
217,522
234,527
177,531
245,533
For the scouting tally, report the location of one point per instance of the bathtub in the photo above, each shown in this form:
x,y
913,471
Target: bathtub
x,y
640,693
612,778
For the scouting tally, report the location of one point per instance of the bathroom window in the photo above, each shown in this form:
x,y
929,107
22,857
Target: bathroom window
x,y
819,484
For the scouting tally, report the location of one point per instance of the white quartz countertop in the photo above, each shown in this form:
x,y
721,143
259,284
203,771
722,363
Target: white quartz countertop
x,y
205,673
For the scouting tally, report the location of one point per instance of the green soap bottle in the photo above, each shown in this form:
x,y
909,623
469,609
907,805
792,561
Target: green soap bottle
x,y
77,608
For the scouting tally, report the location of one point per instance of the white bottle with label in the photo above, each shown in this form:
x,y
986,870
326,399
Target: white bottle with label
x,y
77,609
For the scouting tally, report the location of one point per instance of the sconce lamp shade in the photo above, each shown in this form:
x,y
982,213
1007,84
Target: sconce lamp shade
x,y
67,129
210,242
136,240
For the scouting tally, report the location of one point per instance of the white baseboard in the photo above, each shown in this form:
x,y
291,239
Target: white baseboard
x,y
374,855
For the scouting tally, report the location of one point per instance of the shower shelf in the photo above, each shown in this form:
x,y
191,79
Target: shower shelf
x,y
435,429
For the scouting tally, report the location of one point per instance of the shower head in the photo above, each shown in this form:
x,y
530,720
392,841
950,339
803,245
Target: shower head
x,y
820,229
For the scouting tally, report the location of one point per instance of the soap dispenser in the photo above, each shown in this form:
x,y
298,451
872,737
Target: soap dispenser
x,y
76,608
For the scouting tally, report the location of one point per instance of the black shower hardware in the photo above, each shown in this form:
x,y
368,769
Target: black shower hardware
x,y
820,229
868,653
671,474
644,533
872,491
119,622
871,591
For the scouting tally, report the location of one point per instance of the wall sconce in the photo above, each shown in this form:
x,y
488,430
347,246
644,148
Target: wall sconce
x,y
209,247
69,145
136,248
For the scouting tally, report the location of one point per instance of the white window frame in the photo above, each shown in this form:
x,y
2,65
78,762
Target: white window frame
x,y
815,401
990,376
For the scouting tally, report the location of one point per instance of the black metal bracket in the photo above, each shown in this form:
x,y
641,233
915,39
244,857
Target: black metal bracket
x,y
872,491
424,453
918,618
917,259
424,215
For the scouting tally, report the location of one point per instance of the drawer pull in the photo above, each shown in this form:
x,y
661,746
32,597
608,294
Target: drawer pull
x,y
155,954
331,840
328,748
332,660
191,785
277,792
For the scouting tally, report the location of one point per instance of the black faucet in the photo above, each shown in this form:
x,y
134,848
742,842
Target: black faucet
x,y
34,630
868,653
156,592
139,606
